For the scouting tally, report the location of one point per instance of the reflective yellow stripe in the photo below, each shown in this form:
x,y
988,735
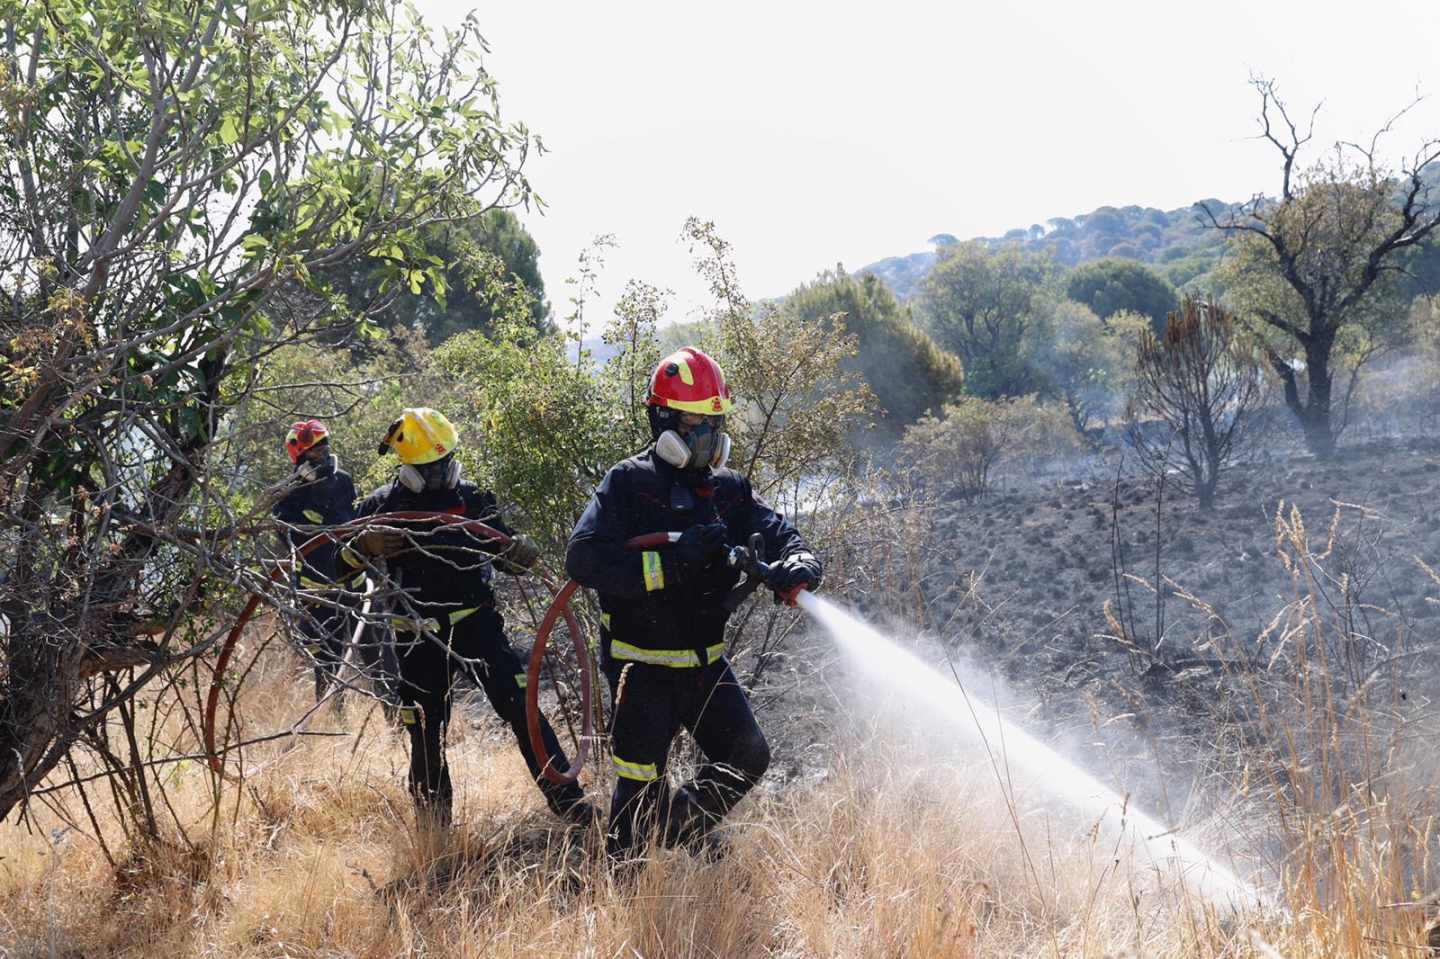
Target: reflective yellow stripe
x,y
641,772
522,680
679,658
654,572
353,582
429,625
715,406
313,516
412,626
408,715
686,377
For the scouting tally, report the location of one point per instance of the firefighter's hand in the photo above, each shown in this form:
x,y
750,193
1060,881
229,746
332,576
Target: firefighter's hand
x,y
379,542
519,557
697,546
796,572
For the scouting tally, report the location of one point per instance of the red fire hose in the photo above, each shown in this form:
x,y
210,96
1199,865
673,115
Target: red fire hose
x,y
344,532
560,606
559,609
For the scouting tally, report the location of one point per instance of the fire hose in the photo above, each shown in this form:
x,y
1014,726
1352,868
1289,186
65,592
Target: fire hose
x,y
749,559
560,606
339,535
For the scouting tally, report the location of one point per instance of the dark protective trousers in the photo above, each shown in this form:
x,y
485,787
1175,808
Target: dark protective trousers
x,y
651,703
325,630
430,664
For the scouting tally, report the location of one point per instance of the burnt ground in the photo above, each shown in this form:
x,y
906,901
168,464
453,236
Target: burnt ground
x,y
1027,576
1047,560
1017,583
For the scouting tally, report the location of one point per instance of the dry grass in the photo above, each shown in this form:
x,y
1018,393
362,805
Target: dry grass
x,y
900,850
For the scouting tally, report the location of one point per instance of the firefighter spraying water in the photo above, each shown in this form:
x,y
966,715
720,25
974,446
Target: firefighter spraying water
x,y
665,599
663,611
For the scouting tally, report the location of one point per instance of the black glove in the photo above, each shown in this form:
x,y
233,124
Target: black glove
x,y
695,548
792,574
519,557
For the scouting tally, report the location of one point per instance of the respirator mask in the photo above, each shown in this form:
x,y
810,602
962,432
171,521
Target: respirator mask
x,y
689,441
442,474
310,468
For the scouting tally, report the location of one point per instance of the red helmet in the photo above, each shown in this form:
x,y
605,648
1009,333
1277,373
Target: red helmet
x,y
689,381
303,435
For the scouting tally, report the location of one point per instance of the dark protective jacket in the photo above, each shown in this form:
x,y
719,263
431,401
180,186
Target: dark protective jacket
x,y
328,500
650,612
443,569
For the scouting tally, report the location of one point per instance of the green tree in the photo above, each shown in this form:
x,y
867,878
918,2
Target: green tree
x,y
485,258
1112,285
985,306
1318,269
1089,361
901,364
175,177
798,404
539,429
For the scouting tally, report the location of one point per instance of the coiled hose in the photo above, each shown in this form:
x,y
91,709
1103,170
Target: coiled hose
x,y
558,609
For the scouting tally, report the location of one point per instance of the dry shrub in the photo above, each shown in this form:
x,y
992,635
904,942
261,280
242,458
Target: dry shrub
x,y
902,848
959,452
317,856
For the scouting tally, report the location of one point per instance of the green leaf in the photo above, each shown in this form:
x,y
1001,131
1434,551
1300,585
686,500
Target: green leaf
x,y
229,130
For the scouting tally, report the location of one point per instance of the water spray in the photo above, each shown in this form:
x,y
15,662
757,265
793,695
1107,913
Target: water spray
x,y
885,660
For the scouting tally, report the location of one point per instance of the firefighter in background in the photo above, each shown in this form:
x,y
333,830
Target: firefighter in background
x,y
323,495
662,636
443,609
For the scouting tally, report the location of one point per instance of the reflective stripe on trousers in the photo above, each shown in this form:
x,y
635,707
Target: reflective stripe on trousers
x,y
640,772
677,658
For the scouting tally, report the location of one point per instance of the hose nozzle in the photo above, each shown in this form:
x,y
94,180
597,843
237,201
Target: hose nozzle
x,y
750,560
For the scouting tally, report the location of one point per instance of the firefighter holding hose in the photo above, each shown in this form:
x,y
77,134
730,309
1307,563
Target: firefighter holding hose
x,y
662,635
443,609
322,494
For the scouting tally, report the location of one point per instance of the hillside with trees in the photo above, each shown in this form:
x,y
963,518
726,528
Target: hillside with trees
x,y
1181,246
1178,244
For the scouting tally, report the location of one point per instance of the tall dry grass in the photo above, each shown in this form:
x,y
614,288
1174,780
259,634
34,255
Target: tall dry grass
x,y
903,847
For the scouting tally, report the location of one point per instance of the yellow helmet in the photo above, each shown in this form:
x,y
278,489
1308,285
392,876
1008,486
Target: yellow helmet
x,y
420,435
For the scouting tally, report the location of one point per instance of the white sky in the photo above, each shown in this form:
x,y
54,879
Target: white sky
x,y
817,133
